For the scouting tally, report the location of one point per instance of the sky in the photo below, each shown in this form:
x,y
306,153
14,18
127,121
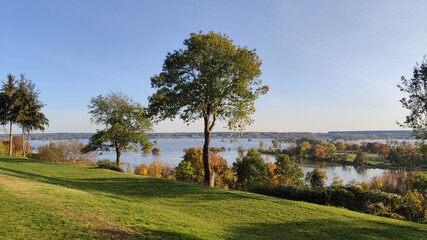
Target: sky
x,y
331,65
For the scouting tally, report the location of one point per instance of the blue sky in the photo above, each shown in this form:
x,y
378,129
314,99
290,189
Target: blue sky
x,y
330,65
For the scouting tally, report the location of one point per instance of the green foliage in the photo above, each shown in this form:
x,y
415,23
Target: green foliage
x,y
361,159
8,100
3,149
211,79
8,109
125,122
190,169
251,169
187,173
416,88
288,171
19,103
419,182
107,164
316,178
337,182
411,206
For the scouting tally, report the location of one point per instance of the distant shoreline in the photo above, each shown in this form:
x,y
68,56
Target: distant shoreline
x,y
285,136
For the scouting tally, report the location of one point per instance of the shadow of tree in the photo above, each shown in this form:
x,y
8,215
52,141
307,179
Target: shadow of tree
x,y
134,186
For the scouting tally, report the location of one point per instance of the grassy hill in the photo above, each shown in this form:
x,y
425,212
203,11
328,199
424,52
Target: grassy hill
x,y
43,200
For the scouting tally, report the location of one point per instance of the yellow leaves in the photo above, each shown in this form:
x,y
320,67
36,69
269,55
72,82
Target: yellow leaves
x,y
157,169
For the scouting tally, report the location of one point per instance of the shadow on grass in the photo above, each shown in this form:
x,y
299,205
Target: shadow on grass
x,y
328,229
131,186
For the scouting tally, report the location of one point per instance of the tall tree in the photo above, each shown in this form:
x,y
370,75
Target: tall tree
x,y
8,111
29,116
125,122
416,87
211,79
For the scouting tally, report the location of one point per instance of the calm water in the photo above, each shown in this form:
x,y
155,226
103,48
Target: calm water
x,y
171,152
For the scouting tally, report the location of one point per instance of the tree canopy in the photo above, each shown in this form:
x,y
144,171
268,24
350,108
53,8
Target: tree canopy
x,y
211,79
20,104
416,103
125,124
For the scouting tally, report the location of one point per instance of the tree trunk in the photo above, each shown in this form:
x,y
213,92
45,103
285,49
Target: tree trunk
x,y
23,142
118,155
10,139
206,146
28,142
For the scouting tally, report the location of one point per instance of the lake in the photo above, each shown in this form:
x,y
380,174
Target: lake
x,y
171,152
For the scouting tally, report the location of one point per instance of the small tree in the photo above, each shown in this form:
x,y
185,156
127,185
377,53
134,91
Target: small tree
x,y
287,171
416,87
212,79
8,109
190,169
251,169
125,122
29,116
361,158
316,178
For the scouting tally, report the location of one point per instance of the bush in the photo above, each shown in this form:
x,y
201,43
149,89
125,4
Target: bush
x,y
155,151
65,151
157,169
316,178
107,164
412,206
3,149
251,169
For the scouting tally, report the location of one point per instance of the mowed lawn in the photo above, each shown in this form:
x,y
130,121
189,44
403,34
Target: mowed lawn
x,y
43,200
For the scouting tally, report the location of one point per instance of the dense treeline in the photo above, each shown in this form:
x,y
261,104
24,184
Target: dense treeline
x,y
391,153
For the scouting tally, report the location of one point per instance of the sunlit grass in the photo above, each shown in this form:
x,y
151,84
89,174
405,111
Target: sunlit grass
x,y
43,200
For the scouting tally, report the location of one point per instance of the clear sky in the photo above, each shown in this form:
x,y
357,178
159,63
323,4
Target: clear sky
x,y
330,65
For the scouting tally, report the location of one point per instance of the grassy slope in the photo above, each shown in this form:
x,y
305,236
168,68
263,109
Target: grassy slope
x,y
42,200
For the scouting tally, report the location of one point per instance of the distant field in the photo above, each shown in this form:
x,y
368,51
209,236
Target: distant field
x,y
42,200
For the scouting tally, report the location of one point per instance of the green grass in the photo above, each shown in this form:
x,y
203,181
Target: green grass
x,y
43,200
380,164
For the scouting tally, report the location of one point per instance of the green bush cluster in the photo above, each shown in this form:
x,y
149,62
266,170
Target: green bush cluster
x,y
3,149
107,164
411,206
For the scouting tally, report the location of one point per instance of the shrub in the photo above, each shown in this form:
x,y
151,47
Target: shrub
x,y
251,169
3,149
107,164
141,170
155,151
190,169
394,182
65,151
316,178
412,206
418,181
